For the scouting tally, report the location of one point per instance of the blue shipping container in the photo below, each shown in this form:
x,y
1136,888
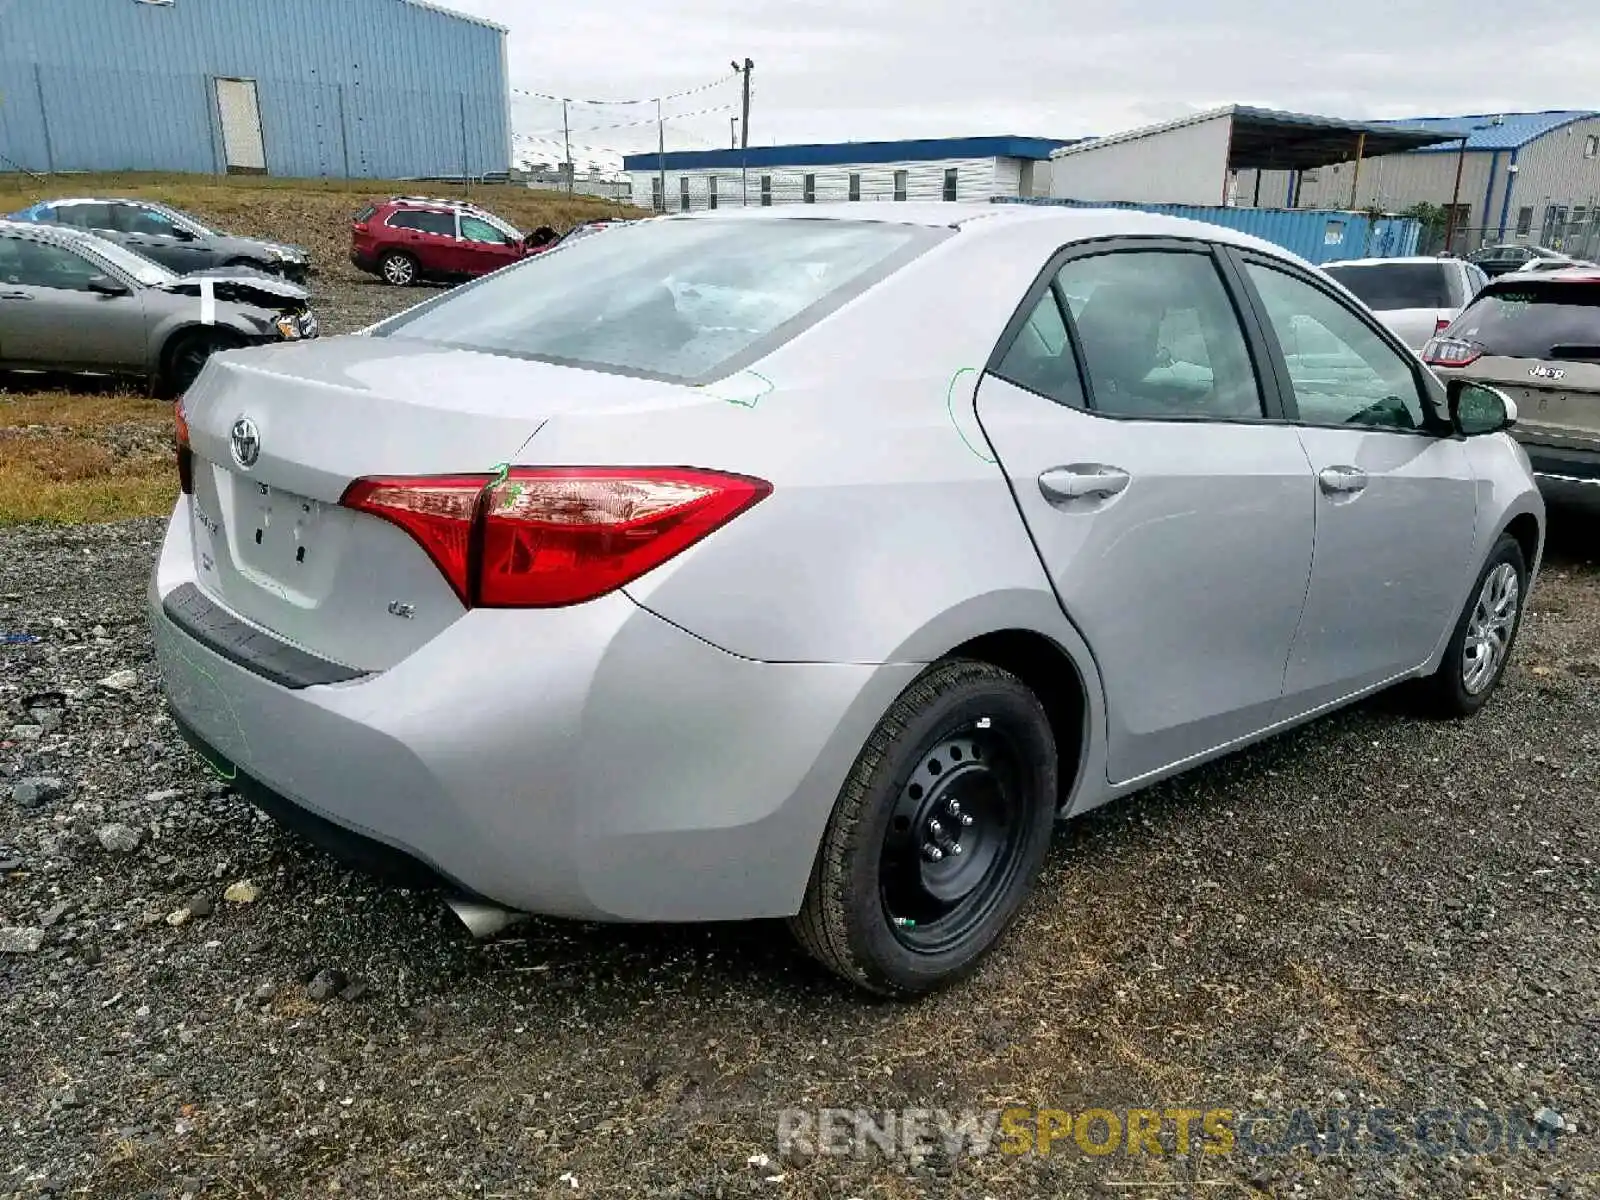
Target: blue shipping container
x,y
308,88
1316,235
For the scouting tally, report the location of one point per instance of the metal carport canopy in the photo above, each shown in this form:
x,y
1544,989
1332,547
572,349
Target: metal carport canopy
x,y
1267,140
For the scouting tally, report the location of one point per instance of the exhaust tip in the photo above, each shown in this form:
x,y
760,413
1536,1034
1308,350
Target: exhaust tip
x,y
483,920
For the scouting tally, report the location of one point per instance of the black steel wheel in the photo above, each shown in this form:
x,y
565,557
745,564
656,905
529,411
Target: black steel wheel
x,y
187,356
938,833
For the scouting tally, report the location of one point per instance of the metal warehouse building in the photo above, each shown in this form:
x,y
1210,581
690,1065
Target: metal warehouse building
x,y
337,88
1529,177
972,168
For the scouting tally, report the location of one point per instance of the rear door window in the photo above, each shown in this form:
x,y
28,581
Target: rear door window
x,y
680,300
1544,320
1386,287
438,223
85,216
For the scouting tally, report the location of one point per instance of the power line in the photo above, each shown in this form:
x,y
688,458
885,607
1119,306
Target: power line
x,y
700,112
704,87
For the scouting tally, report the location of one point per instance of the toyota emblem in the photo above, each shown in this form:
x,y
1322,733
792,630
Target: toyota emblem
x,y
245,440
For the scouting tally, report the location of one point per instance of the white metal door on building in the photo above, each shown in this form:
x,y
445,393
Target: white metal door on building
x,y
242,145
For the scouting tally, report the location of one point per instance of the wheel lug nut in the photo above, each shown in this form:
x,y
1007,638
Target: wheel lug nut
x,y
966,819
935,828
931,852
955,847
954,806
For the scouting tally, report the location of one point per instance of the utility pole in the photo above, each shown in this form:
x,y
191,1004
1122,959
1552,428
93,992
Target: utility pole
x,y
733,132
661,155
1455,200
566,138
744,129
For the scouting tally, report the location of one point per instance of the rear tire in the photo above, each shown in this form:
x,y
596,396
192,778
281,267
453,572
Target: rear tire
x,y
186,355
964,758
1481,644
397,269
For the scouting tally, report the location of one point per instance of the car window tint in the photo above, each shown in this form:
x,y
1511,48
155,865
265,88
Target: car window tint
x,y
1040,358
146,222
84,216
1386,287
28,263
1343,372
475,230
443,224
679,300
1529,320
1159,335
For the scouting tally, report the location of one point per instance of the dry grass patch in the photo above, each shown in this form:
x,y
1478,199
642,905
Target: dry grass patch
x,y
75,457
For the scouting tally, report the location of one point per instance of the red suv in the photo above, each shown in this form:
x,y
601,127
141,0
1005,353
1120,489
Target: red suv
x,y
411,238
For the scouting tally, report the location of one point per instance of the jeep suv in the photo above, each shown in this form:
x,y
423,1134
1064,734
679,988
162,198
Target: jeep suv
x,y
412,238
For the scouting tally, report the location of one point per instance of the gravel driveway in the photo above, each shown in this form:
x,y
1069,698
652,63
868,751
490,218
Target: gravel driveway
x,y
1374,911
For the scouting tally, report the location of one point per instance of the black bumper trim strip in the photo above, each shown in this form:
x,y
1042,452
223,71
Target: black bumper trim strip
x,y
253,649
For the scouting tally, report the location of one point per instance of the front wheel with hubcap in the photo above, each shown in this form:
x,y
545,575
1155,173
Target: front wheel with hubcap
x,y
188,354
1480,645
398,270
937,835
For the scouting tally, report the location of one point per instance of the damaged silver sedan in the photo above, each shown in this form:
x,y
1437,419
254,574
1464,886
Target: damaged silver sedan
x,y
74,302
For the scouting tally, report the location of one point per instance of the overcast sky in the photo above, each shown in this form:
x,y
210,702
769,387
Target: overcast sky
x,y
831,70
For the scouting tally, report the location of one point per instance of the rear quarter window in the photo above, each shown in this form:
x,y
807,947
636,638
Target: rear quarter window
x,y
1544,320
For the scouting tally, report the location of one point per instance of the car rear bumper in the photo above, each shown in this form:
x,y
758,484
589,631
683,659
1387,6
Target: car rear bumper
x,y
364,262
1568,463
594,762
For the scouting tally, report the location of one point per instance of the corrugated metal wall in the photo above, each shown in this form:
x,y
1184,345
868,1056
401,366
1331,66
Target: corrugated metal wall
x,y
1317,235
1184,165
368,88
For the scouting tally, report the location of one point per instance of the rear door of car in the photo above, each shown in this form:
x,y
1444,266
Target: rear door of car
x,y
1170,505
1396,503
50,318
1540,342
429,236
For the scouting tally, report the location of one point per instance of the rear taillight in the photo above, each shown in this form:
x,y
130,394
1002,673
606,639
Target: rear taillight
x,y
185,454
1451,352
543,537
1440,324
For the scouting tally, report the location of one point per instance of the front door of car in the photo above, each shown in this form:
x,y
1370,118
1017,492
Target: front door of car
x,y
153,234
1172,511
483,248
50,318
1396,501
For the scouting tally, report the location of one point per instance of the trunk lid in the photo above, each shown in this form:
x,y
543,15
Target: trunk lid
x,y
271,541
1558,401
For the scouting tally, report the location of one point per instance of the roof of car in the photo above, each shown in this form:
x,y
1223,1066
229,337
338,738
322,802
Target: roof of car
x,y
1572,274
58,234
1074,223
1412,259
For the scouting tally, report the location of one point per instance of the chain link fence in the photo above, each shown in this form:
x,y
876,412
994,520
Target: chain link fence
x,y
1571,230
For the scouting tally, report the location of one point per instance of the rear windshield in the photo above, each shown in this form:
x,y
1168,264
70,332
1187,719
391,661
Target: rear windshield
x,y
365,214
685,300
1532,320
1388,286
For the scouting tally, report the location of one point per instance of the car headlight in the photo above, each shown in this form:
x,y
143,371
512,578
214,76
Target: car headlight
x,y
289,328
286,254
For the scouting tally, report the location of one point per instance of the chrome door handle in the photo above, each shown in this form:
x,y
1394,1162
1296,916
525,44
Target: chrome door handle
x,y
1342,481
1082,480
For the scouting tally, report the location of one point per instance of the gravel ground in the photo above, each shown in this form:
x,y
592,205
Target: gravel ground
x,y
345,301
1371,911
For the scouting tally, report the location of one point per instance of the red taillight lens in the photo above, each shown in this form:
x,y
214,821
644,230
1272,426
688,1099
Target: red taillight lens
x,y
1440,324
543,537
185,454
1451,352
437,511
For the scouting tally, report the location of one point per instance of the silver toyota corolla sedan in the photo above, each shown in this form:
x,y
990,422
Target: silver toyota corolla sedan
x,y
808,562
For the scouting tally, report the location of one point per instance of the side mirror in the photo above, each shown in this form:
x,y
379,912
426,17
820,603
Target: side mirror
x,y
104,285
181,234
1476,409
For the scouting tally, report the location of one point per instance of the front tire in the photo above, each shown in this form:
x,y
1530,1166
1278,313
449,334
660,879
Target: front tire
x,y
937,835
187,355
397,270
1475,660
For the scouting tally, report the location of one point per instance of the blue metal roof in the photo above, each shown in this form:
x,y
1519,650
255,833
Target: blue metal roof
x,y
830,154
1514,131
